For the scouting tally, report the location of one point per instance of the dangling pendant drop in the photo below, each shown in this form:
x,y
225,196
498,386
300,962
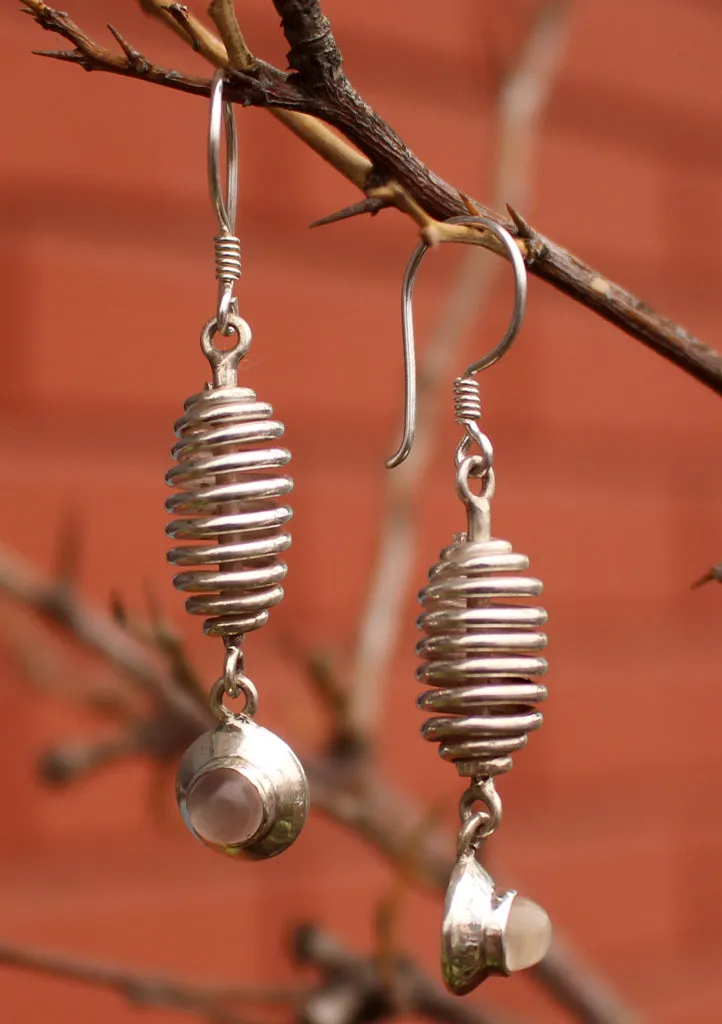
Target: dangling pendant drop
x,y
240,788
481,660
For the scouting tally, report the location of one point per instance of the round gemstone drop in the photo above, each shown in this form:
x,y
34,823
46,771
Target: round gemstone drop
x,y
224,808
528,934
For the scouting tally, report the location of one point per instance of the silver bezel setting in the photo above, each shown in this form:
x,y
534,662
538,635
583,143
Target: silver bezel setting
x,y
272,768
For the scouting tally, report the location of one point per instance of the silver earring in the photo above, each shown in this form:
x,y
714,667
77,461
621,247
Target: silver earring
x,y
481,658
241,789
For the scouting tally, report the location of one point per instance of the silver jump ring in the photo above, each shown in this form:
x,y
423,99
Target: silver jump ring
x,y
473,433
477,467
245,688
224,362
227,207
233,671
478,825
475,830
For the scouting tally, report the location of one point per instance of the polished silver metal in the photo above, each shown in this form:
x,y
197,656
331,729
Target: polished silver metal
x,y
484,931
264,761
481,658
227,243
230,500
407,325
222,111
479,934
481,655
241,790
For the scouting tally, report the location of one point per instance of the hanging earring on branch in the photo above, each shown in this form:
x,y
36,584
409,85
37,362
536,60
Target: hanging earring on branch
x,y
241,789
481,656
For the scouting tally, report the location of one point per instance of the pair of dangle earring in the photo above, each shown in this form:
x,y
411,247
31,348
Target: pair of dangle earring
x,y
240,788
481,659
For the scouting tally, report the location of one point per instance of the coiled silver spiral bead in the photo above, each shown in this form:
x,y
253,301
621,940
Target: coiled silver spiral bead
x,y
481,655
228,258
230,498
467,400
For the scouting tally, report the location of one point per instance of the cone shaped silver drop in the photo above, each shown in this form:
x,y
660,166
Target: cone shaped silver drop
x,y
487,932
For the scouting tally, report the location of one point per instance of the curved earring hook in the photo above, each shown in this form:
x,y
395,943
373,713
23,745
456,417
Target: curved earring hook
x,y
225,207
407,325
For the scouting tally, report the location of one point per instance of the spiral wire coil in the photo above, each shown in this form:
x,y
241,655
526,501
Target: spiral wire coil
x,y
230,498
467,400
481,655
228,258
482,644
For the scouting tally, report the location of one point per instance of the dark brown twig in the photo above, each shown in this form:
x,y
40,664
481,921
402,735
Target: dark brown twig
x,y
318,87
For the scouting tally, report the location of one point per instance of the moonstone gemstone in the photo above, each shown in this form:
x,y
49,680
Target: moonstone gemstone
x,y
528,934
224,808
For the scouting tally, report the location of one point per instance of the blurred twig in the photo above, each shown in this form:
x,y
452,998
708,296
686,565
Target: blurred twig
x,y
354,990
522,98
58,604
362,801
350,989
213,1002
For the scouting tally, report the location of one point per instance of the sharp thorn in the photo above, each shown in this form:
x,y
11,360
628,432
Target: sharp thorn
x,y
71,56
372,205
524,229
470,205
136,59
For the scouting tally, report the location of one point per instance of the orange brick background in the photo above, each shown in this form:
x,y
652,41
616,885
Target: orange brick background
x,y
608,476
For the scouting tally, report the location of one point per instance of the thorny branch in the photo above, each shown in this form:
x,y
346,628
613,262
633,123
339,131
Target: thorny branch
x,y
317,88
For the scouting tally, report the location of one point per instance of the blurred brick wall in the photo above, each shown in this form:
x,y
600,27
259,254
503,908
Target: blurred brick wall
x,y
608,476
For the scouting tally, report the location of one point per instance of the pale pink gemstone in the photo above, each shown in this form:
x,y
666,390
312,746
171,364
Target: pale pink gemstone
x,y
528,934
224,808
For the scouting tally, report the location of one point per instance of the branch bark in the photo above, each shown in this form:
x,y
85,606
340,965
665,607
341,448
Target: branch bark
x,y
317,86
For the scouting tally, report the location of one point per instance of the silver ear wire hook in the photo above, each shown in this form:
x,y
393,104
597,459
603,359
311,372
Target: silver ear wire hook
x,y
228,246
407,325
225,209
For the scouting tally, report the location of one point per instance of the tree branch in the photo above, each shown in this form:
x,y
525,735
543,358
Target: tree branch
x,y
213,1002
357,990
223,13
318,87
351,988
